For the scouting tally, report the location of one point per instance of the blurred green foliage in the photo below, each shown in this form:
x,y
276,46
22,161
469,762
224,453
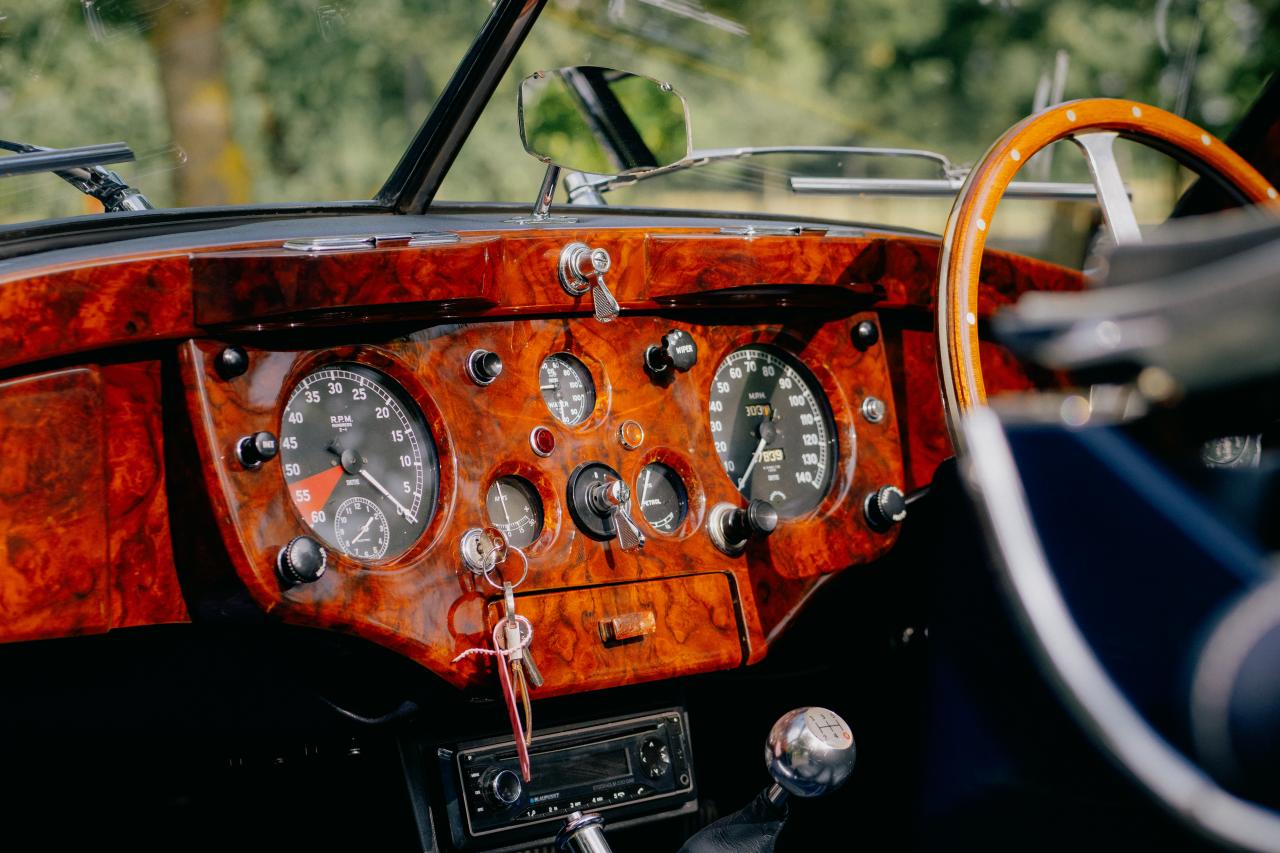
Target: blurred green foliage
x,y
555,126
324,95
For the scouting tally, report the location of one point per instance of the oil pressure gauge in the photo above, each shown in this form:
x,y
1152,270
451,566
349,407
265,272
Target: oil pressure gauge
x,y
664,501
514,507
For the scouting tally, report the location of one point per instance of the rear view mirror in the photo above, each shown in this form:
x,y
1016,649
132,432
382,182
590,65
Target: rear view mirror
x,y
603,121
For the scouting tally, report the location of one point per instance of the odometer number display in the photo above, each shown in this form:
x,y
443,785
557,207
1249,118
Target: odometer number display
x,y
772,429
358,461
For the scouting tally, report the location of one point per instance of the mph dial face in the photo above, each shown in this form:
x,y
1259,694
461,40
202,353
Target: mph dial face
x,y
567,388
772,429
359,461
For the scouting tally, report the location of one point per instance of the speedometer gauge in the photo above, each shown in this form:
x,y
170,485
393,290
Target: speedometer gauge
x,y
772,429
359,461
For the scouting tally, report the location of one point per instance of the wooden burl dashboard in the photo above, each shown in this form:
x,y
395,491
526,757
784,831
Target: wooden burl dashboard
x,y
847,316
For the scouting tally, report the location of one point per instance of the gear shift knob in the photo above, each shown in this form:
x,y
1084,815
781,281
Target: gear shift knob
x,y
810,751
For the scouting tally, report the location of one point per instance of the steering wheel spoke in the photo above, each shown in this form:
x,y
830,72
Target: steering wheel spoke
x,y
1093,124
1113,195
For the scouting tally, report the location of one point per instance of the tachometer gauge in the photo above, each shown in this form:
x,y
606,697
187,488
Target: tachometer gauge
x,y
663,500
567,388
359,461
514,507
772,429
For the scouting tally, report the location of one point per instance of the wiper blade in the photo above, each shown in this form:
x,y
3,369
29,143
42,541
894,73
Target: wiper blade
x,y
587,188
81,167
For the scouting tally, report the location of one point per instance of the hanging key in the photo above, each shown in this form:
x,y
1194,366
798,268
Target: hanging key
x,y
531,669
517,646
524,652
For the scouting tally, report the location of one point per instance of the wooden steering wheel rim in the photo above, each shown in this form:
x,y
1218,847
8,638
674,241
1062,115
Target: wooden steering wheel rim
x,y
956,306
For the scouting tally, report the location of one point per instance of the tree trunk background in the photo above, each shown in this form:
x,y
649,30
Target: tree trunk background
x,y
187,39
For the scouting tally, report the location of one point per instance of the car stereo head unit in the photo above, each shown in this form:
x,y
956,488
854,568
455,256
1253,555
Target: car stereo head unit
x,y
627,769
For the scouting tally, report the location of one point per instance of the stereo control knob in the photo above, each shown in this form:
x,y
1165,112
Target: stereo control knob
x,y
303,560
677,350
655,758
502,788
885,507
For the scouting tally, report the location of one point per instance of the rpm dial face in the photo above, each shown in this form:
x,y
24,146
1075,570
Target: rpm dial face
x,y
664,501
514,507
567,388
359,461
772,429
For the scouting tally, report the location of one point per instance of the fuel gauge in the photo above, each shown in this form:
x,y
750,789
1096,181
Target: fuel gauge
x,y
664,501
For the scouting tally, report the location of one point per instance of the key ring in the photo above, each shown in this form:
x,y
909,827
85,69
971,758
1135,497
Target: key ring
x,y
489,571
526,638
526,635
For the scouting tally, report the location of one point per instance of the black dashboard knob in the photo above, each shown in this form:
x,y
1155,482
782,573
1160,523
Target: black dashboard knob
x,y
738,525
303,560
503,788
233,361
677,349
885,507
760,518
484,366
865,335
253,450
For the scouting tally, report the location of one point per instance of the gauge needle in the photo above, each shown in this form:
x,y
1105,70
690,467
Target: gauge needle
x,y
644,493
755,457
363,530
503,500
373,482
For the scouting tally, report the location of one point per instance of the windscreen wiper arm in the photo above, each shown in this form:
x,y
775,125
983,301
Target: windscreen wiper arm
x,y
82,168
587,188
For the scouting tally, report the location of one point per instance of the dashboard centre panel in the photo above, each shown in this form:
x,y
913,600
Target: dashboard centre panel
x,y
390,454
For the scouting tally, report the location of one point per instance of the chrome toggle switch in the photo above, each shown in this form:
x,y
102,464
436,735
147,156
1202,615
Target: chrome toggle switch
x,y
613,499
582,268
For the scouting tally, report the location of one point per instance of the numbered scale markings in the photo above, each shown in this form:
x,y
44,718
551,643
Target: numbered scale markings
x,y
772,429
359,461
